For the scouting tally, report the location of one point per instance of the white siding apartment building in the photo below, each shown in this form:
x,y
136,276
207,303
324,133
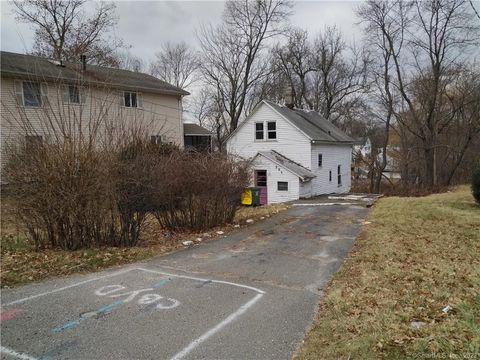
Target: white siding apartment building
x,y
38,94
295,153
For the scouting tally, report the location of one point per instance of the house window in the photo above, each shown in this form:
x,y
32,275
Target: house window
x,y
156,139
73,94
320,160
339,175
258,131
272,130
261,178
32,142
282,186
32,94
130,99
330,176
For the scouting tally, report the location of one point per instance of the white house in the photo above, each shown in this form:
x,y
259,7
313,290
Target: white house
x,y
295,153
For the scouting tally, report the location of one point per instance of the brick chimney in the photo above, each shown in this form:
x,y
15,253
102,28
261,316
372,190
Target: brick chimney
x,y
289,97
83,59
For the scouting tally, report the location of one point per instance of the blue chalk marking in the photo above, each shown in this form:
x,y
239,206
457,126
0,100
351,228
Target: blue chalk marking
x,y
160,283
106,308
101,310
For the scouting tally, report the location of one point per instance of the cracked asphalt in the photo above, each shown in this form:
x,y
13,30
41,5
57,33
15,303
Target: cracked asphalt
x,y
249,295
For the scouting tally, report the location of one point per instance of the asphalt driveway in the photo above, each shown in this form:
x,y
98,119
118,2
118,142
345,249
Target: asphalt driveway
x,y
250,295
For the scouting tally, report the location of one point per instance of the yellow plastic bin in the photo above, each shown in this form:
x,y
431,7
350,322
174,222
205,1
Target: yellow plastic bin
x,y
247,198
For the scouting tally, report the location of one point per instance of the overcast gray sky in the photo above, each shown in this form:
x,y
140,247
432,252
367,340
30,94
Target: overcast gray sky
x,y
145,25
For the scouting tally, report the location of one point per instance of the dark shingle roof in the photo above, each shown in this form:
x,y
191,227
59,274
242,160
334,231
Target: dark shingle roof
x,y
194,129
302,172
312,124
35,67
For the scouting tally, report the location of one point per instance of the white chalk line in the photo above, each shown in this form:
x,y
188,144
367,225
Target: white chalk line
x,y
190,347
68,287
15,354
200,279
241,310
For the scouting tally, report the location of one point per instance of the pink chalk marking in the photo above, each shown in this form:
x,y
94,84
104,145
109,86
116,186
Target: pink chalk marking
x,y
10,314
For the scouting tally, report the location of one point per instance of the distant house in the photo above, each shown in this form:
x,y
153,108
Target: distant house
x,y
197,138
39,89
295,153
366,157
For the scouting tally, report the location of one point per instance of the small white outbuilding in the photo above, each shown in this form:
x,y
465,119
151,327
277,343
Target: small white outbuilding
x,y
295,153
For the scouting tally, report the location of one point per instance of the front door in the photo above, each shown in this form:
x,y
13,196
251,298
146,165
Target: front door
x,y
261,182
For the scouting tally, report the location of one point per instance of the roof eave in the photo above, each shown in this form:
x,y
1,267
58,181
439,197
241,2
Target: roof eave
x,y
334,142
303,178
27,76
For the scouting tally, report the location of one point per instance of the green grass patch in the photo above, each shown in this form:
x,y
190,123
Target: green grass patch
x,y
417,256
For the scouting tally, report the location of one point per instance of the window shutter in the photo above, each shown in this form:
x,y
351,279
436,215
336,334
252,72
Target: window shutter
x,y
66,94
139,100
19,92
44,93
122,98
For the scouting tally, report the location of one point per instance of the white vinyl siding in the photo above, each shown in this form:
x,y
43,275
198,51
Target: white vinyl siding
x,y
162,114
289,141
332,157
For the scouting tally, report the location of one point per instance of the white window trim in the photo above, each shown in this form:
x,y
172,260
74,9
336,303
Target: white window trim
x,y
265,131
43,93
255,131
278,190
81,94
269,131
139,99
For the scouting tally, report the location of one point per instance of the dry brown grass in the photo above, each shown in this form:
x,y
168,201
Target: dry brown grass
x,y
417,256
20,263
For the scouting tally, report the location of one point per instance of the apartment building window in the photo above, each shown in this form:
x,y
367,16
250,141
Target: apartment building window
x,y
73,94
259,131
272,130
156,139
320,160
132,99
30,93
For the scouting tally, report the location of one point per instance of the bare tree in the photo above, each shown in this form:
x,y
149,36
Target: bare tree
x,y
128,61
341,73
436,37
208,110
63,30
295,61
382,71
232,52
176,64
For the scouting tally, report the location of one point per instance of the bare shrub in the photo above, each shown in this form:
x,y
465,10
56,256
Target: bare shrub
x,y
198,191
64,194
136,185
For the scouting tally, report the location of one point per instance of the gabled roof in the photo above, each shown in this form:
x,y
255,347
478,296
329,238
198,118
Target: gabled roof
x,y
312,124
302,172
39,68
194,129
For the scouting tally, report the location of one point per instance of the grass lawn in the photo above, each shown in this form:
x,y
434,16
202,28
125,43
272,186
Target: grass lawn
x,y
21,263
417,256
